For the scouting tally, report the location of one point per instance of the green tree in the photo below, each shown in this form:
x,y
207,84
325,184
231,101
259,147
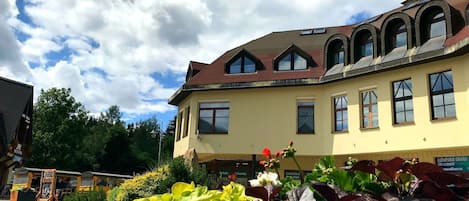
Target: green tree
x,y
145,136
59,125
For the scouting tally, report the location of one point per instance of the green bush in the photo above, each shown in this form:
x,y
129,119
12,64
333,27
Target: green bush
x,y
158,181
143,185
86,196
112,194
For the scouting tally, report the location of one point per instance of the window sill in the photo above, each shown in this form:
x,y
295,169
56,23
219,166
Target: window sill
x,y
370,128
444,119
312,133
340,132
234,74
214,133
409,123
292,71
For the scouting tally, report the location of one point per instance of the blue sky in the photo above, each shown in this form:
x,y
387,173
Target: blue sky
x,y
134,54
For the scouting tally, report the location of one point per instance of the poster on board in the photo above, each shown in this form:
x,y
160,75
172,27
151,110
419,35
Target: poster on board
x,y
47,189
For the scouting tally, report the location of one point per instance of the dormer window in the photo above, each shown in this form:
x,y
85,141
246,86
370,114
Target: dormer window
x,y
399,38
364,45
242,65
336,53
292,59
396,35
433,24
243,62
438,25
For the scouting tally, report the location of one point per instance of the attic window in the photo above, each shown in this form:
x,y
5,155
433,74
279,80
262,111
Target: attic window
x,y
293,58
292,61
243,62
242,65
306,32
319,30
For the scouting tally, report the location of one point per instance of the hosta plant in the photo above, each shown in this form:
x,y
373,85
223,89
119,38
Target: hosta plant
x,y
181,191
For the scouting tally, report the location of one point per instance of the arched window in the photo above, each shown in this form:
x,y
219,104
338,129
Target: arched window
x,y
336,53
293,58
433,24
363,45
396,36
243,62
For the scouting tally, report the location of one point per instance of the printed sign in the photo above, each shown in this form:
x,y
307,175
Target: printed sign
x,y
47,184
453,163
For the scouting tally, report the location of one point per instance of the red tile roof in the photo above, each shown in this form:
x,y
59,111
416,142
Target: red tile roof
x,y
267,47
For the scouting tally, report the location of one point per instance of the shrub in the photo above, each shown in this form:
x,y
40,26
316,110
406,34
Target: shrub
x,y
158,181
142,186
86,196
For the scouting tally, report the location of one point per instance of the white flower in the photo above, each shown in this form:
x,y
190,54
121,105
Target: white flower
x,y
265,178
255,183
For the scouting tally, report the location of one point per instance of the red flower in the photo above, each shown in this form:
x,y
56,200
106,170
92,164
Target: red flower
x,y
266,152
262,162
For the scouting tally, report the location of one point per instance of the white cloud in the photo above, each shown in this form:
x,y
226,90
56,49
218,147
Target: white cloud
x,y
118,44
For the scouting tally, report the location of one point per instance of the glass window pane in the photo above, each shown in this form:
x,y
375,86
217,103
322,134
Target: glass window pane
x,y
249,65
305,103
344,114
368,49
299,62
305,112
398,92
339,126
437,100
435,82
400,117
399,106
365,111
214,105
450,111
221,124
375,121
221,113
438,29
401,39
374,109
365,98
340,57
447,79
439,112
449,98
338,115
345,124
235,67
365,122
285,63
409,104
374,98
206,113
409,115
338,103
306,124
205,125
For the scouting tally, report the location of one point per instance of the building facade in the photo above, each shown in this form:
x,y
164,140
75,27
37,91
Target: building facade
x,y
394,85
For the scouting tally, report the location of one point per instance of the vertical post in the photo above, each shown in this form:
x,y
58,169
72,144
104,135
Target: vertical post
x,y
159,150
253,166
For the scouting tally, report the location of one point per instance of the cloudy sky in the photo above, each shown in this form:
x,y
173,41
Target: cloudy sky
x,y
134,53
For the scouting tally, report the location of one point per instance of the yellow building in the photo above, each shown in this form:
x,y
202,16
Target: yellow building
x,y
394,85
